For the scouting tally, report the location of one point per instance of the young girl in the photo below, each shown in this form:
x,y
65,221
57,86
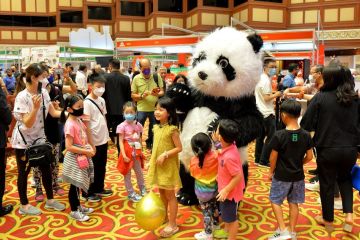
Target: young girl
x,y
164,162
78,144
203,167
131,157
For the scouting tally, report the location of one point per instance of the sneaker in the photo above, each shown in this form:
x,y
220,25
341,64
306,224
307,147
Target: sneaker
x,y
220,233
293,236
94,198
314,179
39,196
134,197
280,235
79,216
5,209
86,210
105,193
30,211
313,186
54,205
203,236
59,191
313,172
143,191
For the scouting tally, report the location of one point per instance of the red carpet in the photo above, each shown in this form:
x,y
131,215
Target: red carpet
x,y
114,216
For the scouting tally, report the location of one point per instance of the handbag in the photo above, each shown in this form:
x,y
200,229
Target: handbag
x,y
40,152
82,161
355,175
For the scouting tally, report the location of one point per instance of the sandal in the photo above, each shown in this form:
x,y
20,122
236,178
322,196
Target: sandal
x,y
348,226
169,231
328,226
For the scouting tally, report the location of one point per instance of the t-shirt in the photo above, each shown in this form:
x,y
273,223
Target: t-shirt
x,y
291,146
230,165
24,105
139,85
264,87
130,131
77,130
97,121
289,81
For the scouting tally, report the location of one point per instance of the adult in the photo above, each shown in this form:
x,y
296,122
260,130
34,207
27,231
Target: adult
x,y
28,111
181,78
9,81
81,80
333,115
289,80
5,120
117,93
15,71
146,92
265,103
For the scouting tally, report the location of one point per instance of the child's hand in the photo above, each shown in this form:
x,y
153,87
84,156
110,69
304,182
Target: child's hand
x,y
126,159
90,153
222,195
160,160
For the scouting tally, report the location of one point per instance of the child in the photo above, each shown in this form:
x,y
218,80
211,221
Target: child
x,y
130,132
164,162
289,146
95,110
204,167
78,143
230,178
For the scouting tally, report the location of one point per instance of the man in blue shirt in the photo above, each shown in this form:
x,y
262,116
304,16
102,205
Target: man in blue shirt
x,y
9,81
289,80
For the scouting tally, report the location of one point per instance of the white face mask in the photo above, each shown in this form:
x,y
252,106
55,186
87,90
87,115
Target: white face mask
x,y
99,91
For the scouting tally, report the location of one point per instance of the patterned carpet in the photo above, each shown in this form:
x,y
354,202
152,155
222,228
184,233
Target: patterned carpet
x,y
114,216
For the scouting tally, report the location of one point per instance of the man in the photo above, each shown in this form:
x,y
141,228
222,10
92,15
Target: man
x,y
98,69
15,71
9,81
5,120
81,80
265,103
146,92
289,80
118,92
163,72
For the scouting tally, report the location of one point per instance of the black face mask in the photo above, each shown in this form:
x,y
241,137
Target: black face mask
x,y
77,112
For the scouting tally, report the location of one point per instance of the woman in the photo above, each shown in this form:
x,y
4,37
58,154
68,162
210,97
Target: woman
x,y
29,115
333,115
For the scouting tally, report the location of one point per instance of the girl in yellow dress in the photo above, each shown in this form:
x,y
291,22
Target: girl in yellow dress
x,y
164,163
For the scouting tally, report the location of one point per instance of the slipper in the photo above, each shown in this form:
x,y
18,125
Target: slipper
x,y
328,226
169,231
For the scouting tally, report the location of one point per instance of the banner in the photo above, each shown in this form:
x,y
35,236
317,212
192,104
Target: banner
x,y
50,55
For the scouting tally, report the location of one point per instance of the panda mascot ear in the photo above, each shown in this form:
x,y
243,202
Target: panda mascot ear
x,y
256,42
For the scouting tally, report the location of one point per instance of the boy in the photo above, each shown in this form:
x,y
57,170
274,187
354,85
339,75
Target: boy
x,y
95,111
289,146
230,178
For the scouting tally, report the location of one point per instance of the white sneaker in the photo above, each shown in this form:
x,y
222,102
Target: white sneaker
x,y
203,236
86,210
313,186
280,235
79,216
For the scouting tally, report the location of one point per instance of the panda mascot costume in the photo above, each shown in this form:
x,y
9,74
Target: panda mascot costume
x,y
226,66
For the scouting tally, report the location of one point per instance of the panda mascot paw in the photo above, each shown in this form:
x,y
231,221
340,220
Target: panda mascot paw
x,y
226,67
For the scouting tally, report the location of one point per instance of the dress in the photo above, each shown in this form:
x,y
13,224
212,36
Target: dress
x,y
165,176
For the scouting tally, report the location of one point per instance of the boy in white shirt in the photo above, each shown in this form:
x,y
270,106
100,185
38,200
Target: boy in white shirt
x,y
95,111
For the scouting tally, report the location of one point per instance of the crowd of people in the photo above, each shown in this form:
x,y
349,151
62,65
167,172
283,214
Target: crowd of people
x,y
79,121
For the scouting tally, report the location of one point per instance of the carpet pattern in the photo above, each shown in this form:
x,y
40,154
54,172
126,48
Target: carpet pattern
x,y
114,216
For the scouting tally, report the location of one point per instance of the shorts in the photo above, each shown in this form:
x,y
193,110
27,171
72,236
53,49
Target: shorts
x,y
294,191
228,210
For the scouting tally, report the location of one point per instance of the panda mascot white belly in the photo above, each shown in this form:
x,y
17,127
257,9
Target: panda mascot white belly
x,y
226,66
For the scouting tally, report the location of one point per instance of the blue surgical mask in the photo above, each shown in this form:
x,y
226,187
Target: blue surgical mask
x,y
129,117
272,71
146,72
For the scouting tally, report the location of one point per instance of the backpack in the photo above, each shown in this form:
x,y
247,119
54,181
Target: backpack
x,y
156,79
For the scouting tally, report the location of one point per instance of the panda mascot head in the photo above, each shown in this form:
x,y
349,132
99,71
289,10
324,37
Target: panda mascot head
x,y
226,63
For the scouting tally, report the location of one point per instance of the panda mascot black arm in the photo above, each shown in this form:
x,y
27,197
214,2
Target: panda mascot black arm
x,y
226,67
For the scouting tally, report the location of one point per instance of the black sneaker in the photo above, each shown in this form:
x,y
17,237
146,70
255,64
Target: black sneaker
x,y
314,179
91,198
313,172
105,193
6,210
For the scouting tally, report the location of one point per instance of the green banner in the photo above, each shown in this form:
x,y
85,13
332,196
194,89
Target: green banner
x,y
9,52
178,70
78,59
86,50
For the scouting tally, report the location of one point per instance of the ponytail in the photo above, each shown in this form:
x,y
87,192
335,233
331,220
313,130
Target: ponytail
x,y
201,145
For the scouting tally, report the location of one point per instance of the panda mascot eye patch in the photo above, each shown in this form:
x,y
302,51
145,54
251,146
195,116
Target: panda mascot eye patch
x,y
228,70
202,56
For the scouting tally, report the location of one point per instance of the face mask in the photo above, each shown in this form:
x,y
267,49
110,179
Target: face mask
x,y
146,71
77,112
129,117
272,71
9,75
99,91
311,78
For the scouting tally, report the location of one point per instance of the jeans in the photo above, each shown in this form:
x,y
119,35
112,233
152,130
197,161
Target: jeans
x,y
262,149
141,117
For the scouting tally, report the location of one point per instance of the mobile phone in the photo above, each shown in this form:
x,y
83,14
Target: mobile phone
x,y
156,90
39,88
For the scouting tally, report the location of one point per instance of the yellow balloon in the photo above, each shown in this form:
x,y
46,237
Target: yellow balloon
x,y
150,212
